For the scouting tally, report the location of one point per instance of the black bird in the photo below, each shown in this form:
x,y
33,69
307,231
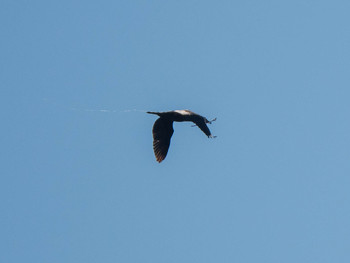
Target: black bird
x,y
163,129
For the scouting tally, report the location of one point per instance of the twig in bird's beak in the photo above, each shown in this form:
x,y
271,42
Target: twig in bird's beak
x,y
205,122
212,120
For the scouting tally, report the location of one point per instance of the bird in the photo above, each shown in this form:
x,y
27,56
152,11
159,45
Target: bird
x,y
163,129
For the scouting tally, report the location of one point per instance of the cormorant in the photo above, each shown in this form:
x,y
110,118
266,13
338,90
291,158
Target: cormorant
x,y
163,129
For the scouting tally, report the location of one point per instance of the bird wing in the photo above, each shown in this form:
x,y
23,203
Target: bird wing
x,y
162,132
201,124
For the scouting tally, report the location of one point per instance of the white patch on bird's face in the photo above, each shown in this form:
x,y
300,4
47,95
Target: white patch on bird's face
x,y
183,112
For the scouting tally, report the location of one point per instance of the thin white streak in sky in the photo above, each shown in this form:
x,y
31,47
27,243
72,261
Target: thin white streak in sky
x,y
90,110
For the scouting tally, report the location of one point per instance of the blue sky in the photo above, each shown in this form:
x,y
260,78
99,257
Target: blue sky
x,y
79,181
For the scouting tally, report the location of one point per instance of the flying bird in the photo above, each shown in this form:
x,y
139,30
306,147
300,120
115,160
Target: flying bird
x,y
163,128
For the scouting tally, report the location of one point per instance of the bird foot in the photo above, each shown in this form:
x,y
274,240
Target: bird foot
x,y
212,136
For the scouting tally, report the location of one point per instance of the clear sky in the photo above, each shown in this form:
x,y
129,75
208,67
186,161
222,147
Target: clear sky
x,y
79,181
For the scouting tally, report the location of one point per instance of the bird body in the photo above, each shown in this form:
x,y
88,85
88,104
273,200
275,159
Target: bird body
x,y
163,128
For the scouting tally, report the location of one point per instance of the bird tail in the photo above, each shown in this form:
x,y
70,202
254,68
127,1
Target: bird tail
x,y
152,112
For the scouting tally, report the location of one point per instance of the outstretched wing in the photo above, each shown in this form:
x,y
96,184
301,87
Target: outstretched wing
x,y
203,126
162,132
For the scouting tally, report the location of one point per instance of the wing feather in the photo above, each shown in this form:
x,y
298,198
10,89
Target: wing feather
x,y
162,132
203,126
